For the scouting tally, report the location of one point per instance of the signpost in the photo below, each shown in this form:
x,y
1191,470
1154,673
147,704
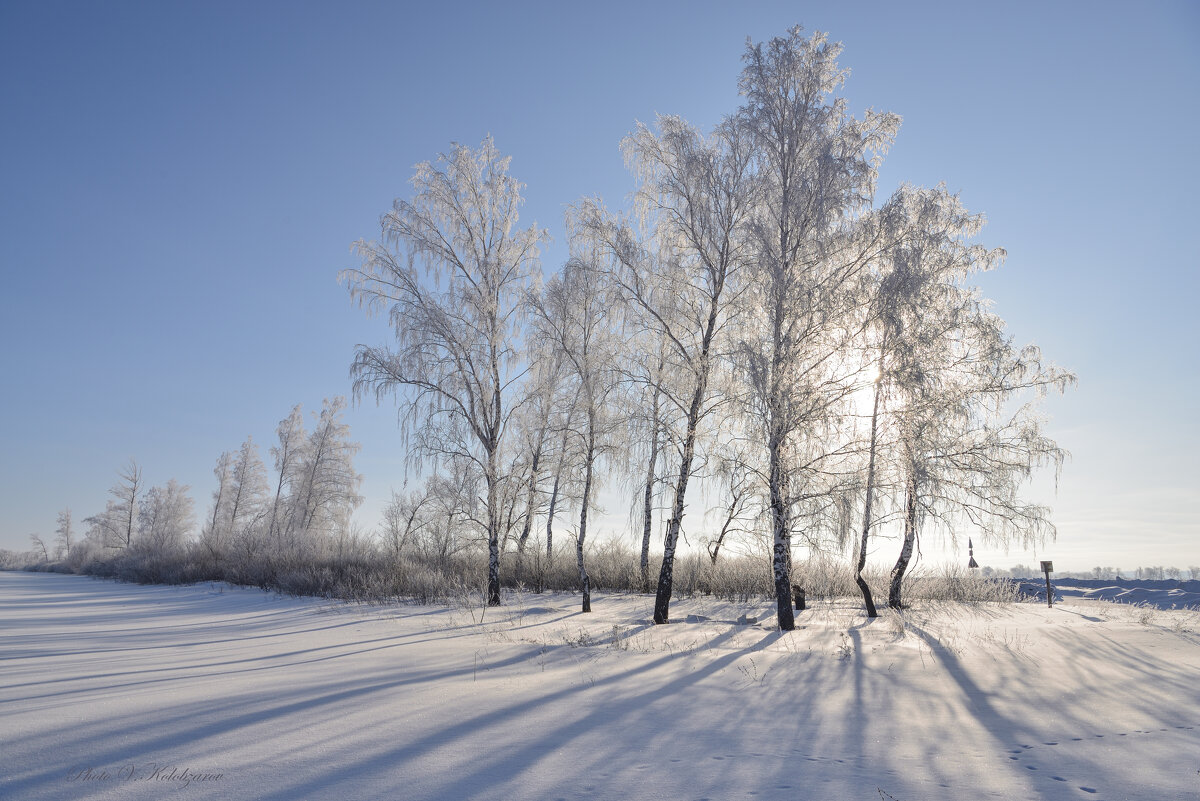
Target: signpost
x,y
1048,568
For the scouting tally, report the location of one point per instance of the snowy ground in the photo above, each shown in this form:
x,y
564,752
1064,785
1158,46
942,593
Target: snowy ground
x,y
115,691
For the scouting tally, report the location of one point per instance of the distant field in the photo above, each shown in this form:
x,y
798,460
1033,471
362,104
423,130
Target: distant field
x,y
1164,594
117,691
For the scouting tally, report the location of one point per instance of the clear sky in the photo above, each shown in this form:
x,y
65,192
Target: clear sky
x,y
182,182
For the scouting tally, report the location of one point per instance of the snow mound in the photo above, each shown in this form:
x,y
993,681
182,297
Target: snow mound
x,y
1159,594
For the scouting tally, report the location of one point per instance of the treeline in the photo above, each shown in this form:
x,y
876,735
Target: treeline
x,y
1155,573
257,522
756,323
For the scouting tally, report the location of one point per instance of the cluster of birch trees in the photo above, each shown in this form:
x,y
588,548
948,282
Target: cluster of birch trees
x,y
757,318
309,496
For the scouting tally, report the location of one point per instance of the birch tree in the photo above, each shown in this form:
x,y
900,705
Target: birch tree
x,y
965,454
286,454
451,268
816,166
573,317
325,492
695,195
562,462
654,426
165,518
247,489
214,534
404,517
40,545
738,481
947,378
116,525
912,307
535,435
65,532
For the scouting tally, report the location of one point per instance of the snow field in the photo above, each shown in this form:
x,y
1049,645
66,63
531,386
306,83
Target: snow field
x,y
115,691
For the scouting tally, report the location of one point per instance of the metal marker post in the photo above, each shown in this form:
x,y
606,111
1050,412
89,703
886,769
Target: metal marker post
x,y
1048,568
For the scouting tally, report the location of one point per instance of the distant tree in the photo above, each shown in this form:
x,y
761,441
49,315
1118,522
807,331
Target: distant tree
x,y
457,358
324,492
165,519
404,517
40,545
239,500
451,515
740,484
247,488
214,533
286,454
116,525
65,532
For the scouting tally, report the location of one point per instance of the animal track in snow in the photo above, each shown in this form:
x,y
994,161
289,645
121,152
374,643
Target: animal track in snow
x,y
1024,753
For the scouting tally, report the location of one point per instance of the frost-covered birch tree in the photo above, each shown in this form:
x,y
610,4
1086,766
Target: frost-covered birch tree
x,y
165,519
574,318
451,268
116,525
679,287
563,480
240,497
911,308
40,545
947,378
736,514
816,166
535,434
649,428
326,484
214,533
404,517
965,453
248,489
65,532
290,437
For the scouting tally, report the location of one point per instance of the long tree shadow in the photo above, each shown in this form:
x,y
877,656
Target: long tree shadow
x,y
488,766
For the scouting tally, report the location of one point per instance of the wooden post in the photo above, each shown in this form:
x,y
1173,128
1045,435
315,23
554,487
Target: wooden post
x,y
1048,568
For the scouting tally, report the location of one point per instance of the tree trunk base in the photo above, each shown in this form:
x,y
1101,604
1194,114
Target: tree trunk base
x,y
783,605
866,593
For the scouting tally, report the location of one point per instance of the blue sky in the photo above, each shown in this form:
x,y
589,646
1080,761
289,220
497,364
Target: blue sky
x,y
183,182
